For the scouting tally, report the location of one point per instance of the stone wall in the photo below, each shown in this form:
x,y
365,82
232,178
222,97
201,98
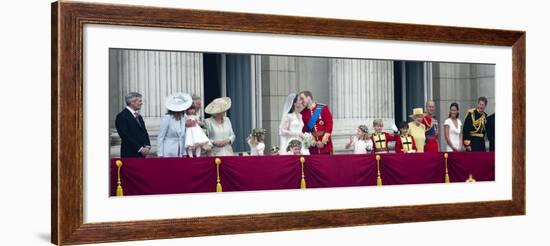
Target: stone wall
x,y
282,75
463,84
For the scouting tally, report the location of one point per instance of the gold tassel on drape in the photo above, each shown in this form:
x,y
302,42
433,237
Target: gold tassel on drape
x,y
218,184
447,178
119,191
303,182
379,178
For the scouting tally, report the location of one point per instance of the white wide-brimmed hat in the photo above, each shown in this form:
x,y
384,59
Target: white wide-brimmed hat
x,y
219,105
178,102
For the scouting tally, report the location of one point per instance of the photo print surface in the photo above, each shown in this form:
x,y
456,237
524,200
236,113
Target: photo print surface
x,y
186,122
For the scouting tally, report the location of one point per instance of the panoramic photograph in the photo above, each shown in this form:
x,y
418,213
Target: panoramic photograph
x,y
186,122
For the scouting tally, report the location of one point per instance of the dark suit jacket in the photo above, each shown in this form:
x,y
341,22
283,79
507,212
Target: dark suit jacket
x,y
132,134
491,131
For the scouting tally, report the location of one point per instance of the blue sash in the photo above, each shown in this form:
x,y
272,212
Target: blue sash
x,y
431,132
314,117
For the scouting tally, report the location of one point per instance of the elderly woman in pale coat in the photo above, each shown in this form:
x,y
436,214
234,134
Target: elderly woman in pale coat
x,y
171,138
219,128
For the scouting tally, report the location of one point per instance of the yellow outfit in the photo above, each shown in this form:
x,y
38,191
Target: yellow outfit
x,y
419,135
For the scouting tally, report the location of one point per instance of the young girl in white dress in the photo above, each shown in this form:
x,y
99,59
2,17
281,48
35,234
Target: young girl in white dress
x,y
256,141
294,147
453,130
361,142
291,123
195,138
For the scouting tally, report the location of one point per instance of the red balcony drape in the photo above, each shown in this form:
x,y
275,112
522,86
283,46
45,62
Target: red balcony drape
x,y
189,175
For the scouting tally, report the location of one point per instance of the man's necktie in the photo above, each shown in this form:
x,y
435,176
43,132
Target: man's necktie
x,y
136,116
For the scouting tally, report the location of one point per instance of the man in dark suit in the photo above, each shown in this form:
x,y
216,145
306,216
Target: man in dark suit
x,y
131,129
491,131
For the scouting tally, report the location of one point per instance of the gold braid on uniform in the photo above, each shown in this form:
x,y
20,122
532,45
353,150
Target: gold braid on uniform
x,y
478,124
427,129
325,138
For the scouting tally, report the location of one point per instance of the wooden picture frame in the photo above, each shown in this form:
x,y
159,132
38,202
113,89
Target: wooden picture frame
x,y
68,20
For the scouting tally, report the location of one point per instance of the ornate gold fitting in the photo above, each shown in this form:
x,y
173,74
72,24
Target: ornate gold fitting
x,y
470,179
119,190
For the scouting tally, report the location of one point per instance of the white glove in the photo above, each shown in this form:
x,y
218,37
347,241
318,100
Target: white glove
x,y
394,128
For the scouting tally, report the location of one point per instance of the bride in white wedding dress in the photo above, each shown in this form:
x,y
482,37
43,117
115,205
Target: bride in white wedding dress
x,y
291,123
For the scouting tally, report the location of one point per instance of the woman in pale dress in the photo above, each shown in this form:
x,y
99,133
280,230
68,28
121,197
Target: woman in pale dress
x,y
291,125
171,138
453,130
417,130
219,128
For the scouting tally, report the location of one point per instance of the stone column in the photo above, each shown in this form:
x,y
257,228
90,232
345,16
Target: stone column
x,y
155,75
360,91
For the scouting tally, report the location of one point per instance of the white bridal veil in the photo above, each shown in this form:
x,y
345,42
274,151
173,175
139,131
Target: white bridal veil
x,y
286,107
288,104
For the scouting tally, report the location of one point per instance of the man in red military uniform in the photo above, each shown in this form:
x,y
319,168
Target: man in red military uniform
x,y
431,125
317,121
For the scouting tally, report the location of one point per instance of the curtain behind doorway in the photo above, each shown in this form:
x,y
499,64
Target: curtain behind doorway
x,y
238,79
409,88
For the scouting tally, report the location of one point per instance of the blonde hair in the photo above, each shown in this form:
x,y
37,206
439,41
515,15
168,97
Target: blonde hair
x,y
378,122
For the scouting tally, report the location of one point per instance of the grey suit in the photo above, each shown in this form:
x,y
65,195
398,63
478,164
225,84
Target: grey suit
x,y
171,139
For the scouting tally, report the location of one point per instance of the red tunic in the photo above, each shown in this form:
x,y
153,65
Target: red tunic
x,y
399,148
381,142
323,126
431,134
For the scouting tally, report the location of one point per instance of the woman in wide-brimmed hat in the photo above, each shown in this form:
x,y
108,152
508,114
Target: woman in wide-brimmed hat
x,y
171,138
417,130
219,128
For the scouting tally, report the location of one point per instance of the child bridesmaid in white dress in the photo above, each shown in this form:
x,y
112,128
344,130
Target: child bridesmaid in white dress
x,y
195,138
361,142
256,141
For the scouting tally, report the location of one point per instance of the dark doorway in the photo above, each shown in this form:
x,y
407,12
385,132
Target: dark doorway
x,y
409,88
212,77
233,71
